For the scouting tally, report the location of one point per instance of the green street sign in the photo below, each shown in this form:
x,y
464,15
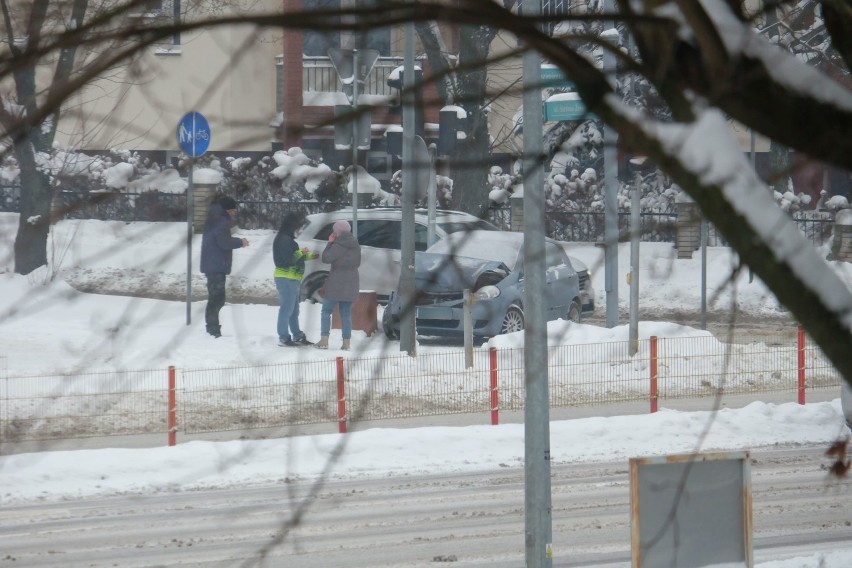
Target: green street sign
x,y
553,78
564,107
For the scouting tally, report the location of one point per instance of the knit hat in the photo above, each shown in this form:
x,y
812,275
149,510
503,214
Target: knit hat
x,y
341,227
228,203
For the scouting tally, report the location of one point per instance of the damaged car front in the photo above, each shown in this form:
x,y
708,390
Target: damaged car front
x,y
495,278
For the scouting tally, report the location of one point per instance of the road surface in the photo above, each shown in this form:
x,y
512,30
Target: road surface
x,y
418,521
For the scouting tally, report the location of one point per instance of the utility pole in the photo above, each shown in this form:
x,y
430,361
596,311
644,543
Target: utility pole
x,y
610,200
407,339
353,66
538,522
635,231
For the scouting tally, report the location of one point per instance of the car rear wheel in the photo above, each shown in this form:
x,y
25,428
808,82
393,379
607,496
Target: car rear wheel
x,y
514,320
573,312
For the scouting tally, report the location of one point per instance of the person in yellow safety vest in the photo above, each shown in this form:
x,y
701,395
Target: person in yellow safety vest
x,y
289,269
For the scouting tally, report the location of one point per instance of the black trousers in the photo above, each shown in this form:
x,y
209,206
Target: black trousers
x,y
215,301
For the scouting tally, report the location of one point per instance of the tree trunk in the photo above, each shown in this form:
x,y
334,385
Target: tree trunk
x,y
779,161
470,178
34,223
470,175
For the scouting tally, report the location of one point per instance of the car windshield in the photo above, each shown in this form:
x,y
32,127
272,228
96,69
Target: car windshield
x,y
502,247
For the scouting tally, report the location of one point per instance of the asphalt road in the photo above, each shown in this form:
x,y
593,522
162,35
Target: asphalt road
x,y
418,521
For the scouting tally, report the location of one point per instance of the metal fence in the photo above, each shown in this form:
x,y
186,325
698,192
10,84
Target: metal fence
x,y
571,226
114,206
10,198
341,391
588,226
82,404
268,214
319,75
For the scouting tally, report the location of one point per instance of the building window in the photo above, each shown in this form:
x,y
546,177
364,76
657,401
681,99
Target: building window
x,y
553,8
317,43
164,12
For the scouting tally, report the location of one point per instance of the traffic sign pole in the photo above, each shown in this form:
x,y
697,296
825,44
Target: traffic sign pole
x,y
193,137
353,65
355,145
190,191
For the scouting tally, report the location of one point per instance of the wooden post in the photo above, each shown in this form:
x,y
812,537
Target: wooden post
x,y
364,313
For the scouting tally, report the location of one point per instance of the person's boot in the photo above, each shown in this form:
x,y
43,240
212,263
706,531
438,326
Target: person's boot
x,y
345,345
322,343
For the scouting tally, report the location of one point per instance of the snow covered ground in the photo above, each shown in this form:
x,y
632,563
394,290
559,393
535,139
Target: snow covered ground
x,y
46,326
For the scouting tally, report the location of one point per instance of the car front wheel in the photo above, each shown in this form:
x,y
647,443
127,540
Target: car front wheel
x,y
573,312
514,320
390,332
387,324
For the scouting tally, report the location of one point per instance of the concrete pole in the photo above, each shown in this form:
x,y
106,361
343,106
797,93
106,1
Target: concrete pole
x,y
190,190
355,142
538,522
432,198
635,230
703,273
407,334
610,202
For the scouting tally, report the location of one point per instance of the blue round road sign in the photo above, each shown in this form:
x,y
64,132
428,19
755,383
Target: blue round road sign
x,y
193,134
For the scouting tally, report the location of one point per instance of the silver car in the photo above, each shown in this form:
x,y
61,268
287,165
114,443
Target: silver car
x,y
380,235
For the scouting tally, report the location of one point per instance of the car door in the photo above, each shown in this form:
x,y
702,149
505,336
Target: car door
x,y
380,255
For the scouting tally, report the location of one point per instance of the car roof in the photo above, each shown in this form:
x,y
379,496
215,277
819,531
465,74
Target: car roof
x,y
441,215
507,237
479,243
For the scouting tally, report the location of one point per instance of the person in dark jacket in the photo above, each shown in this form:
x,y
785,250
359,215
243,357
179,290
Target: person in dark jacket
x,y
343,253
289,269
217,247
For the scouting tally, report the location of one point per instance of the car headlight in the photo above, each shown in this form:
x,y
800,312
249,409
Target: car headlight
x,y
486,293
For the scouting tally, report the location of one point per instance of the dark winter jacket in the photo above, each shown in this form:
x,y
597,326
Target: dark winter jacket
x,y
344,256
217,243
289,259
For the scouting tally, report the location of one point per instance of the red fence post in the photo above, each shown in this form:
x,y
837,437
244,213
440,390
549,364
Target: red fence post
x,y
653,373
172,419
800,348
341,397
492,365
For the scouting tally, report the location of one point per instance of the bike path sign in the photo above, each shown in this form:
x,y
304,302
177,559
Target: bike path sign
x,y
193,134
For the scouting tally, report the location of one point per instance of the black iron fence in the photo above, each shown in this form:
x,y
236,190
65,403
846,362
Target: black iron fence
x,y
10,198
584,226
268,214
573,226
113,206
